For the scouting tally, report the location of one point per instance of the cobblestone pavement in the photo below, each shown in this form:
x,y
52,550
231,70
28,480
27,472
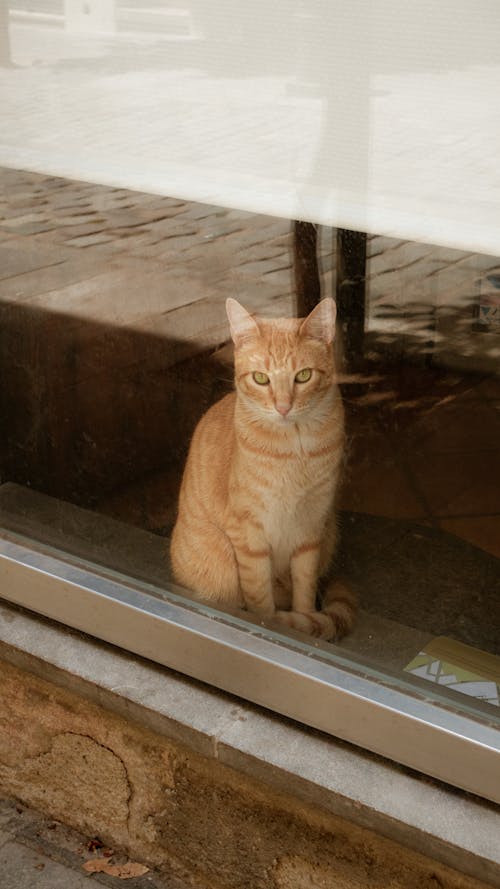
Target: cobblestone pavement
x,y
118,256
39,853
126,257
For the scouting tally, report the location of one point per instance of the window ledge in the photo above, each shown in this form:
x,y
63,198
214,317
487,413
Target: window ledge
x,y
453,827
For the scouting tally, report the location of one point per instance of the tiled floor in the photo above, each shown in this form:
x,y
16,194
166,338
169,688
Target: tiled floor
x,y
428,452
434,461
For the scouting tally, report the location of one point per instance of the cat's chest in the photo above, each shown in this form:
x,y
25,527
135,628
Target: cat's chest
x,y
292,493
291,511
290,483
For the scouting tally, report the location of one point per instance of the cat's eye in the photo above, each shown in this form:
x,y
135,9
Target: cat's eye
x,y
303,375
261,378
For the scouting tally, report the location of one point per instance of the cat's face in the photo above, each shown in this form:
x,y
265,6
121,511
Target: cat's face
x,y
283,367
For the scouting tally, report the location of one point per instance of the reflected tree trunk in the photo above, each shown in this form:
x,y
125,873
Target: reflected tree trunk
x,y
305,263
351,291
351,282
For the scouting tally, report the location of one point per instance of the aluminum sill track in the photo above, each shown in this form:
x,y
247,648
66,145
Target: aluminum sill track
x,y
414,731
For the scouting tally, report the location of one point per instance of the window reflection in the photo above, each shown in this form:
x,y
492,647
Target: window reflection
x,y
114,341
113,334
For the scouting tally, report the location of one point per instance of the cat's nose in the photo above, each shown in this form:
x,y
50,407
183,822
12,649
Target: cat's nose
x,y
283,408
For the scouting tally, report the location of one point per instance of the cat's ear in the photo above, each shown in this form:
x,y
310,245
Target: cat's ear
x,y
320,323
241,322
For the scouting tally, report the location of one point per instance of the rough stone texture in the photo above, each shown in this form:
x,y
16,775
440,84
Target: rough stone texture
x,y
101,787
173,808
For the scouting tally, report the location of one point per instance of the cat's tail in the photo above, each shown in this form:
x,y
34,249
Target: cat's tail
x,y
340,604
336,618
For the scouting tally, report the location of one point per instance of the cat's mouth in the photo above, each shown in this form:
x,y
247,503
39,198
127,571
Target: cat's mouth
x,y
283,418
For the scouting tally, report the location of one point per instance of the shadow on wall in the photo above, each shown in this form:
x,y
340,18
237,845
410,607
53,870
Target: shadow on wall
x,y
86,408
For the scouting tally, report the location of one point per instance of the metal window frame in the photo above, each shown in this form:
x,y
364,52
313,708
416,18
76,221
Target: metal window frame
x,y
237,657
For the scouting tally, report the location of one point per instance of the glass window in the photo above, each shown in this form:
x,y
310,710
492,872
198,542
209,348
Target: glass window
x,y
150,170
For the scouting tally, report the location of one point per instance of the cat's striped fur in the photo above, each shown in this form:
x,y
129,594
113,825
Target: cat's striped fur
x,y
256,524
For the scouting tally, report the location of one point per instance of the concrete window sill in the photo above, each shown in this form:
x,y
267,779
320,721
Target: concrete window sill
x,y
455,828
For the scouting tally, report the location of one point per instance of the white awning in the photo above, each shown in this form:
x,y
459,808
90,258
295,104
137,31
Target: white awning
x,y
376,115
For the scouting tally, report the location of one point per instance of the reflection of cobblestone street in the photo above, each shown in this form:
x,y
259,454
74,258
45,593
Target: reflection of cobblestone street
x,y
57,234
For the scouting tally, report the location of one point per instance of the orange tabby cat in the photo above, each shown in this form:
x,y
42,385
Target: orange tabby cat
x,y
256,525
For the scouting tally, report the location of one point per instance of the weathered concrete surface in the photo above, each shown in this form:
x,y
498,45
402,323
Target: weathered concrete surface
x,y
175,809
38,852
23,868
